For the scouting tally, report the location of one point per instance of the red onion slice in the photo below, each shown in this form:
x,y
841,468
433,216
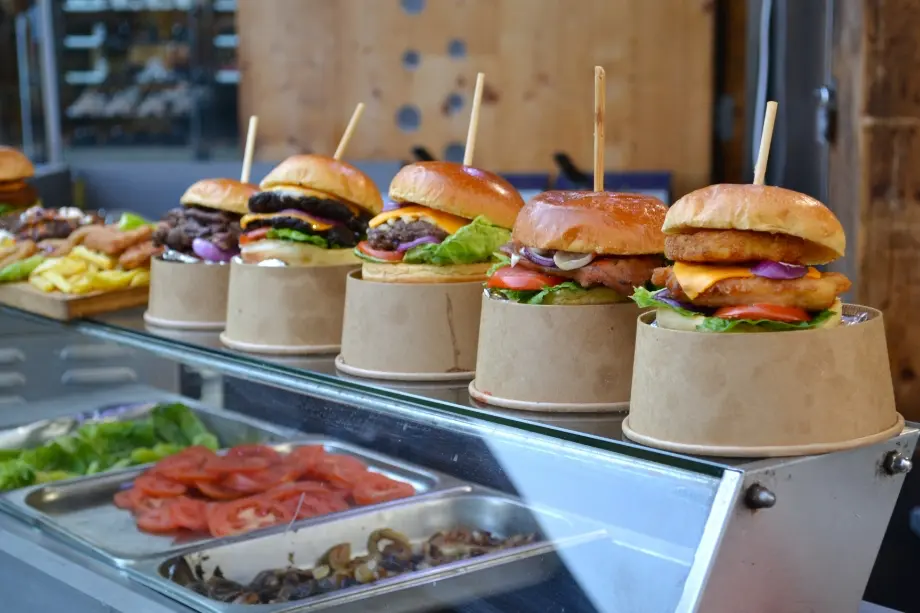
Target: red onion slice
x,y
389,205
546,262
210,252
664,295
778,270
419,241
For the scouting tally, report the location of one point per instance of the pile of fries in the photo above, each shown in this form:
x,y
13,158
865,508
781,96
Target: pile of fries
x,y
83,271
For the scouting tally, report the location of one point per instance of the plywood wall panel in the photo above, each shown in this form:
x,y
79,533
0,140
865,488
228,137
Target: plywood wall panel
x,y
306,63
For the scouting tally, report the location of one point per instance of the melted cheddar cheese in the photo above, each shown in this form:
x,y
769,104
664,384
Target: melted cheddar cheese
x,y
447,222
315,224
695,279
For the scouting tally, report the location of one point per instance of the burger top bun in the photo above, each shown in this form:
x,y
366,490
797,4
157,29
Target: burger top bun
x,y
457,189
221,194
424,273
326,174
14,165
760,208
592,222
672,320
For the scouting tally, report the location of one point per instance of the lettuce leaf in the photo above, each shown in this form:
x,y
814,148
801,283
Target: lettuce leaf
x,y
567,293
474,243
646,299
370,258
287,234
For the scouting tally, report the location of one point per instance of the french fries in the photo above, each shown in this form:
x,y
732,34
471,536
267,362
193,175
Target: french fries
x,y
84,271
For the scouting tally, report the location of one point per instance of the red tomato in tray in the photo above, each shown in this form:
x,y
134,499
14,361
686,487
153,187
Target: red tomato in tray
x,y
340,470
518,278
305,457
258,482
305,506
217,491
773,312
187,467
244,515
189,513
376,488
158,486
156,521
126,499
255,451
225,465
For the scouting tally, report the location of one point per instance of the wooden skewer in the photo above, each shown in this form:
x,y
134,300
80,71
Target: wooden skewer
x,y
474,120
600,104
766,137
349,131
250,149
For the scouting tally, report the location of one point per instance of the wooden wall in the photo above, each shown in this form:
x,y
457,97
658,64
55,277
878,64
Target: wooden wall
x,y
875,172
306,63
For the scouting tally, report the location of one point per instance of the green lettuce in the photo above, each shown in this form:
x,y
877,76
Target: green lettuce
x,y
287,234
474,243
646,299
567,293
20,271
369,258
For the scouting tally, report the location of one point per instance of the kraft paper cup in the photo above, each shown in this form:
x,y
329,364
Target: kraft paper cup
x,y
187,295
410,331
763,394
555,358
285,310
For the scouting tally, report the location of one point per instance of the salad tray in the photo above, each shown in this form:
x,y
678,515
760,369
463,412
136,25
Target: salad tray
x,y
82,511
434,587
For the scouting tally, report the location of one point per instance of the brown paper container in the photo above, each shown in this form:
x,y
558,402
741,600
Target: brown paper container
x,y
187,296
763,394
555,358
410,331
285,310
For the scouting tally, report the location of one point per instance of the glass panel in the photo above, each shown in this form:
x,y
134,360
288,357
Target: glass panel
x,y
627,529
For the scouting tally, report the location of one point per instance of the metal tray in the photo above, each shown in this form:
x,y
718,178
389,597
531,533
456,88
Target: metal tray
x,y
81,510
418,519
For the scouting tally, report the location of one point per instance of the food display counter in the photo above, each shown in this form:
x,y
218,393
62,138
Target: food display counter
x,y
507,512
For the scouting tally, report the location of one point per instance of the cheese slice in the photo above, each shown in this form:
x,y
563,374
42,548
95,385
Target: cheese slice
x,y
297,190
813,273
315,224
695,279
447,222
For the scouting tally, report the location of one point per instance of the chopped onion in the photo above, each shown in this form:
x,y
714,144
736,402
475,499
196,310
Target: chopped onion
x,y
206,250
402,248
778,270
536,258
571,261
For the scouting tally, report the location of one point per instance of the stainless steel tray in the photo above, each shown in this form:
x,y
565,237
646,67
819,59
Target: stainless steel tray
x,y
81,510
418,519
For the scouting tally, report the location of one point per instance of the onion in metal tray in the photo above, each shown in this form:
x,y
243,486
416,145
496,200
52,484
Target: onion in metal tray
x,y
419,241
778,270
566,260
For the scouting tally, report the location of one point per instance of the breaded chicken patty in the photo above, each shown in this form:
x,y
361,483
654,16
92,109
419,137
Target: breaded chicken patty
x,y
733,246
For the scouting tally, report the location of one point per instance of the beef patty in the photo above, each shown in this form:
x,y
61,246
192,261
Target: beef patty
x,y
333,210
389,236
337,236
183,225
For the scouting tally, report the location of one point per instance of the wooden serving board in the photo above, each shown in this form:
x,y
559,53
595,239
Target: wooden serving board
x,y
70,306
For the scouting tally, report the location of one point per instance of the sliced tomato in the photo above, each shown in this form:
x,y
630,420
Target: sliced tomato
x,y
225,465
216,491
253,236
521,279
158,486
388,256
125,499
286,491
772,312
376,488
156,521
304,458
245,515
257,482
143,502
255,451
189,513
340,470
304,506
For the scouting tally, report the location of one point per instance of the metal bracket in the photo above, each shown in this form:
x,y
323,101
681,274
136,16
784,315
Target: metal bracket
x,y
759,497
896,463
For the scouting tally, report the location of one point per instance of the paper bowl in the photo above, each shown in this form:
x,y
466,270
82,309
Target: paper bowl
x,y
187,295
763,394
410,331
555,358
285,310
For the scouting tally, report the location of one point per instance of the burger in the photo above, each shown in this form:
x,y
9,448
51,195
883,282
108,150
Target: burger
x,y
311,210
207,225
15,193
744,258
575,247
445,225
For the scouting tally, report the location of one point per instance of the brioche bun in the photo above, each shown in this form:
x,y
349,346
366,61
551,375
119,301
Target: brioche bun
x,y
296,254
322,173
424,273
459,190
592,222
672,320
760,208
14,165
221,194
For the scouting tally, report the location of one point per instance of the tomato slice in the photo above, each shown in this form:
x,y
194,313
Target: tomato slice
x,y
340,470
157,521
245,515
304,506
255,483
521,279
388,256
216,491
189,513
253,236
286,491
376,488
772,312
225,465
305,458
126,499
255,451
158,486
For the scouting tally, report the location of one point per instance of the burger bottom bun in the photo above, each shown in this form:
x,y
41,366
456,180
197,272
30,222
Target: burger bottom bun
x,y
672,320
424,273
296,254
